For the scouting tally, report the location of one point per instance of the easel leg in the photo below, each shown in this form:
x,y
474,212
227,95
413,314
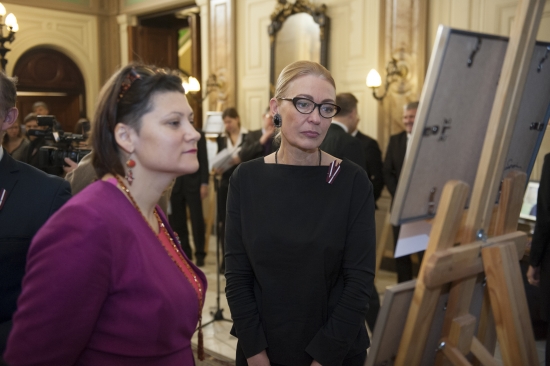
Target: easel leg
x,y
424,300
509,304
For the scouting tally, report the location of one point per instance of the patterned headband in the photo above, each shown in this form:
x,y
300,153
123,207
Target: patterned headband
x,y
127,83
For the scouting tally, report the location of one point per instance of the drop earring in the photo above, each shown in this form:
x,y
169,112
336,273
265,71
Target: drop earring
x,y
130,163
277,120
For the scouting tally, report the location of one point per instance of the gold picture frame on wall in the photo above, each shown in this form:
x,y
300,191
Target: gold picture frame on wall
x,y
280,16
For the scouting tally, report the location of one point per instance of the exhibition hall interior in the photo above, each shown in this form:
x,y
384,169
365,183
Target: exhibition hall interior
x,y
449,101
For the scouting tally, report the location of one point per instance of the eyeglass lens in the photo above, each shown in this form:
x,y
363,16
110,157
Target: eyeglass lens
x,y
307,106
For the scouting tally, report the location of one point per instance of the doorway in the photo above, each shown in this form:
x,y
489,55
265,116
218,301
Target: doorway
x,y
171,39
50,76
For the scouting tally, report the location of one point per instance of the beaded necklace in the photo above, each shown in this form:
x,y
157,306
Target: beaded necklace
x,y
200,295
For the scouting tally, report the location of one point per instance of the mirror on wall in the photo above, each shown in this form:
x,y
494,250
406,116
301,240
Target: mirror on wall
x,y
298,31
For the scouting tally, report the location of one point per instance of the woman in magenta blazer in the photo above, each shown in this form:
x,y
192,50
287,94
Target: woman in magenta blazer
x,y
107,282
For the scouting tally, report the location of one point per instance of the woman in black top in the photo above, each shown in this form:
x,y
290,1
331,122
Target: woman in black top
x,y
300,238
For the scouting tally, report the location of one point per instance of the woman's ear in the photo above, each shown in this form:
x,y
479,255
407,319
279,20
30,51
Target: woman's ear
x,y
124,137
273,106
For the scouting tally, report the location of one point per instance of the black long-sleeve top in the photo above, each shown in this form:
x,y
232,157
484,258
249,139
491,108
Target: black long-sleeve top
x,y
300,259
540,245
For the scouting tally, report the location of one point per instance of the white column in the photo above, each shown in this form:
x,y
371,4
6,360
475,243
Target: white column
x,y
124,21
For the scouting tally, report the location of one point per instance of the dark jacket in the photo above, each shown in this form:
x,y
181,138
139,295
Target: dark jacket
x,y
252,148
393,162
374,163
31,197
341,144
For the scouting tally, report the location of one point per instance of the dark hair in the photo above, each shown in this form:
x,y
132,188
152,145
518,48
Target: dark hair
x,y
347,102
8,94
230,112
411,105
125,98
30,117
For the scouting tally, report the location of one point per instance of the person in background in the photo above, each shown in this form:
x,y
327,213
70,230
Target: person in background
x,y
341,144
538,273
300,240
373,155
40,108
36,142
393,163
231,141
189,191
107,282
15,142
347,120
260,143
28,197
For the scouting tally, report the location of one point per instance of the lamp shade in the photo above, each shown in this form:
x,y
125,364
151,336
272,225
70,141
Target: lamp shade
x,y
373,79
11,22
2,10
194,85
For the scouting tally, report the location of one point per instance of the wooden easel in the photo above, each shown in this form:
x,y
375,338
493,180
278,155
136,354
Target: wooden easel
x,y
498,257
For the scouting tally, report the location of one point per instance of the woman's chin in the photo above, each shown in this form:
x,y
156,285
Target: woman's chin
x,y
189,169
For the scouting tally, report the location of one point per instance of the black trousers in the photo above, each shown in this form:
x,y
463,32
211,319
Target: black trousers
x,y
403,265
178,220
357,360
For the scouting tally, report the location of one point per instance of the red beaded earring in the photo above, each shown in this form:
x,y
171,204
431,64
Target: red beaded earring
x,y
130,163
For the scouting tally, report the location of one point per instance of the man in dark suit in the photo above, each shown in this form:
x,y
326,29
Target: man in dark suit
x,y
190,190
28,197
349,117
339,143
259,143
393,163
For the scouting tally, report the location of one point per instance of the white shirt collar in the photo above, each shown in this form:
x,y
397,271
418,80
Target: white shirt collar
x,y
354,133
1,152
341,125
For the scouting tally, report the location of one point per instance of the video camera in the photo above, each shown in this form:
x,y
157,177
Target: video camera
x,y
63,145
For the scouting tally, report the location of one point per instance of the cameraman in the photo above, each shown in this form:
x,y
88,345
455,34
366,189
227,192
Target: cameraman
x,y
31,123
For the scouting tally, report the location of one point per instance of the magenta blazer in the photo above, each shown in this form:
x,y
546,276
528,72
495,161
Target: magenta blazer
x,y
100,289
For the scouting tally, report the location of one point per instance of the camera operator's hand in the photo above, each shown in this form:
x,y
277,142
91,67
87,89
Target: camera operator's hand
x,y
71,165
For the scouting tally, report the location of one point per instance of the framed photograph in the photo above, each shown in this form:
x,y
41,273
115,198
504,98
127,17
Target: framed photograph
x,y
453,116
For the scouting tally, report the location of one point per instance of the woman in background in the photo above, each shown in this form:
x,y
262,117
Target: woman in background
x,y
231,141
300,239
15,142
107,282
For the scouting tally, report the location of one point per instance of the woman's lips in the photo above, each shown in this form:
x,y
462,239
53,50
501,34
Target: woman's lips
x,y
192,151
310,133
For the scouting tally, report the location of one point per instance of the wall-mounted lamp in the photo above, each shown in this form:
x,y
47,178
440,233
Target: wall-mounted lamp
x,y
10,22
394,72
193,86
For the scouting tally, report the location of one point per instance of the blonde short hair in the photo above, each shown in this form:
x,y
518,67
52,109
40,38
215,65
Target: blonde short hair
x,y
298,69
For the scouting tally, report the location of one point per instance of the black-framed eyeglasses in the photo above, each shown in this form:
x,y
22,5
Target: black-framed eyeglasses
x,y
307,106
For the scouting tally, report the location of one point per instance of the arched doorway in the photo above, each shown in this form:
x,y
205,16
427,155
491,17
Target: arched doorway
x,y
47,75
